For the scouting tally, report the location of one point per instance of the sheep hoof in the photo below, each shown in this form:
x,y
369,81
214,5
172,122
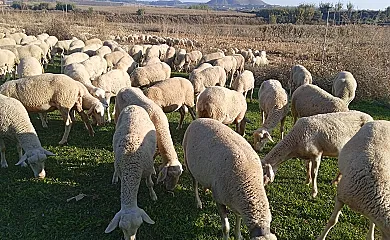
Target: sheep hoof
x,y
199,205
63,143
314,194
153,196
4,165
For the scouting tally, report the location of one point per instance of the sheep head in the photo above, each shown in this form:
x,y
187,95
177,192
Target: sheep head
x,y
269,173
97,112
129,220
262,233
170,175
261,137
36,159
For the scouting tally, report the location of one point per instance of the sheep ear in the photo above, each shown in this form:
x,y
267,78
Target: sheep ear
x,y
22,160
113,224
162,174
269,136
146,217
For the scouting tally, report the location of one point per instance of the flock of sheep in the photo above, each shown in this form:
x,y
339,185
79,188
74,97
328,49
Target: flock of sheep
x,y
217,157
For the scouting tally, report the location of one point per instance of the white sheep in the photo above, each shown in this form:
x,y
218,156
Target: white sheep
x,y
93,41
209,76
229,64
61,47
173,94
7,41
76,46
171,168
113,58
29,66
17,37
31,51
150,61
51,41
102,51
273,103
47,92
198,69
364,164
244,82
240,63
15,124
222,104
313,137
8,61
180,60
308,100
260,60
27,40
111,82
211,57
191,59
224,162
95,66
134,145
136,52
76,57
144,76
344,86
91,49
299,76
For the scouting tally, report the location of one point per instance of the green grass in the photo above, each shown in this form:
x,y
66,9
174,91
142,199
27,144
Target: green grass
x,y
38,209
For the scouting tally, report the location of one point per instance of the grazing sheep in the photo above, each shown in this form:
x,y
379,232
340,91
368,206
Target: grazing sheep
x,y
170,56
198,69
113,58
171,168
210,76
273,103
17,37
7,41
136,52
29,66
248,55
211,57
61,47
31,51
173,94
260,60
152,52
95,66
344,86
180,60
8,61
111,82
47,92
15,124
224,162
244,82
76,46
76,57
111,44
51,41
364,164
192,59
144,76
229,64
93,41
27,40
134,144
91,49
313,137
298,77
240,63
308,100
150,61
224,105
102,51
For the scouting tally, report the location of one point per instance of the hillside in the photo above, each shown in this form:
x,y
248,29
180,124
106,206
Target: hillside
x,y
238,2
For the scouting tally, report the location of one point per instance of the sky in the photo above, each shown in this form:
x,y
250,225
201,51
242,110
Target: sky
x,y
358,4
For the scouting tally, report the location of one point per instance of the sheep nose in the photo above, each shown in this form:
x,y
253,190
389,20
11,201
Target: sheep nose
x,y
42,174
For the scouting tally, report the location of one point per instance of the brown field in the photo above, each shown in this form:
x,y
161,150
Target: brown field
x,y
360,49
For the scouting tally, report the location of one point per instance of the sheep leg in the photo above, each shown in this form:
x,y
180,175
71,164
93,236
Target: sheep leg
x,y
308,164
150,184
68,125
87,124
262,116
314,173
282,127
333,219
252,94
192,112
237,231
370,234
337,179
225,222
197,198
3,160
43,117
108,110
20,154
182,111
245,94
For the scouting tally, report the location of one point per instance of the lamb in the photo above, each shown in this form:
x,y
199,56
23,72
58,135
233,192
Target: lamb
x,y
55,91
210,76
192,59
144,76
173,94
308,100
298,77
364,163
344,86
111,82
76,57
244,82
273,103
224,162
29,66
313,137
260,60
171,168
15,124
224,105
134,144
229,63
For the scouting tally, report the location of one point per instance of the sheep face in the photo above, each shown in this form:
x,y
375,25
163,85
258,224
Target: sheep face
x,y
129,221
36,159
97,113
170,175
261,137
261,233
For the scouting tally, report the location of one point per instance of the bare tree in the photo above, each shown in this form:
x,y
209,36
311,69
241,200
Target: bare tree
x,y
338,8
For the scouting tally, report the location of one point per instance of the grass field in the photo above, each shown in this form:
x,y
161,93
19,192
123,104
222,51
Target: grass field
x,y
38,209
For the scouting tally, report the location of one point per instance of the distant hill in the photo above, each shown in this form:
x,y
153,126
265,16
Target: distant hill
x,y
238,2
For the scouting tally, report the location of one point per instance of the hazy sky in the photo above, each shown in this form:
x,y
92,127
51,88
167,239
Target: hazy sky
x,y
358,4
